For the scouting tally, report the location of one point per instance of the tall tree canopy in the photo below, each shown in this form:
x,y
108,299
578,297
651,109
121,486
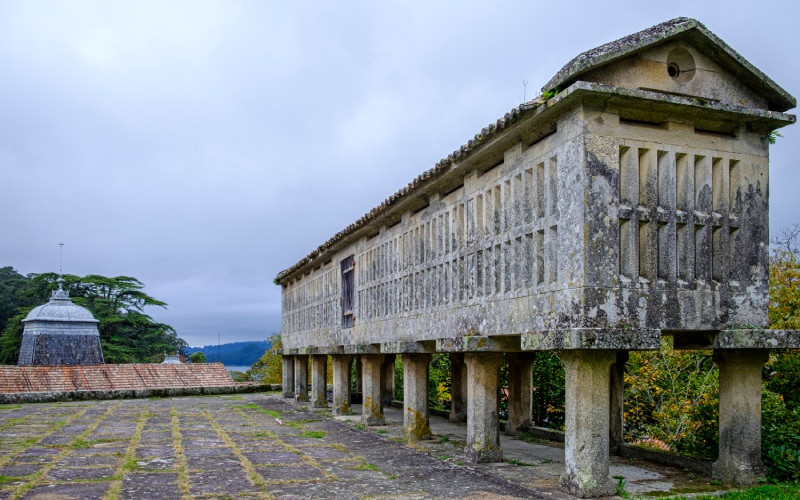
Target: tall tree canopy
x,y
127,333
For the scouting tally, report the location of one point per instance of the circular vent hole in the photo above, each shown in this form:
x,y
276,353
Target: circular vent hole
x,y
680,65
673,70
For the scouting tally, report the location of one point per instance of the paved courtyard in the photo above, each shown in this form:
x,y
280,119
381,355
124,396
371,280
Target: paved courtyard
x,y
257,446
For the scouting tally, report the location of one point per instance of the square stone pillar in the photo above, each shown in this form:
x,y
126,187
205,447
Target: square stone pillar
x,y
319,381
416,422
301,378
616,431
341,383
458,388
287,376
387,381
483,425
520,377
739,415
371,370
586,422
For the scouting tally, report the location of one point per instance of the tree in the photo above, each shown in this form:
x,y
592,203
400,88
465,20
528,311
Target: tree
x,y
268,367
784,281
197,357
127,334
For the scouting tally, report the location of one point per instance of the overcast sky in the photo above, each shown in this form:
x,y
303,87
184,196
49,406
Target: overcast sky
x,y
202,147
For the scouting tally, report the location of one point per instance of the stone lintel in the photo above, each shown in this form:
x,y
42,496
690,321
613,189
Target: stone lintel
x,y
426,347
625,339
336,349
290,351
757,339
361,349
474,343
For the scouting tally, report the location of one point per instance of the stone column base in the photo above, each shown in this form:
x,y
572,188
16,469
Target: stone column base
x,y
372,408
483,426
319,382
586,422
301,378
739,415
341,383
416,423
287,376
520,375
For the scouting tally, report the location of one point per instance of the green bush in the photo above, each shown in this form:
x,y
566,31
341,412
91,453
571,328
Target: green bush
x,y
197,357
548,391
780,438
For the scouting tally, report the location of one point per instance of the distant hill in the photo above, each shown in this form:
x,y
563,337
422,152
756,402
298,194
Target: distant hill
x,y
234,353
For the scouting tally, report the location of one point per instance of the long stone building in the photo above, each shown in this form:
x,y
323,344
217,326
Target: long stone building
x,y
628,202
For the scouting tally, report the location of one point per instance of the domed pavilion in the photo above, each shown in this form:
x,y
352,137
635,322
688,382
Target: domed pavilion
x,y
60,333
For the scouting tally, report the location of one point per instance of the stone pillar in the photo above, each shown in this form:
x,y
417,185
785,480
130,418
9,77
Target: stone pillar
x,y
341,383
616,424
372,409
586,422
739,415
301,378
458,388
483,426
416,423
387,381
520,377
319,381
287,376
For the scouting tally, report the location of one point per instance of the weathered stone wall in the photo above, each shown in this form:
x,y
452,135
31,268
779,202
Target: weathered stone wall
x,y
620,220
489,257
682,244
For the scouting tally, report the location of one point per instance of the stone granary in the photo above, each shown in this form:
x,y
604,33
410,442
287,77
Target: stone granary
x,y
60,333
628,202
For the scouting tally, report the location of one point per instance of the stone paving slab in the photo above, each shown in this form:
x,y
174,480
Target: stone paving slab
x,y
233,446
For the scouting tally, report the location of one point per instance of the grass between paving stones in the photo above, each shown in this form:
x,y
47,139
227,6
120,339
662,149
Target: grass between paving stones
x,y
253,406
180,457
10,407
313,434
364,465
11,422
65,450
27,443
286,446
514,461
129,459
247,465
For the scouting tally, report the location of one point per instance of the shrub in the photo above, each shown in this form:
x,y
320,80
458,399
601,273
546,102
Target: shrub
x,y
780,438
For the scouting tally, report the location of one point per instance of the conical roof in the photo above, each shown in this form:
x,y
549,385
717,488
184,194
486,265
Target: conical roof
x,y
60,308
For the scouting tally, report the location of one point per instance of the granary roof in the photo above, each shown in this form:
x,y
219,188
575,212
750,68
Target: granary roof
x,y
60,308
566,80
683,28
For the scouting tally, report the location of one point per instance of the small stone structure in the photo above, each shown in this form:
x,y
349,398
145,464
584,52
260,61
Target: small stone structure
x,y
628,202
60,333
172,359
